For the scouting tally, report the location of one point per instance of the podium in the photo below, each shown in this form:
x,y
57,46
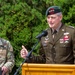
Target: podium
x,y
47,69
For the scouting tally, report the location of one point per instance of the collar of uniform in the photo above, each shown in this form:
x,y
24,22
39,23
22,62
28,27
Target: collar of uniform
x,y
57,28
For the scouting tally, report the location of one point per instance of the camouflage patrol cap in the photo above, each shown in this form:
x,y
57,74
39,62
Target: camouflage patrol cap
x,y
53,10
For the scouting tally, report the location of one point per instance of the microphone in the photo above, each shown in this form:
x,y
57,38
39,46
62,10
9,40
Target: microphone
x,y
44,33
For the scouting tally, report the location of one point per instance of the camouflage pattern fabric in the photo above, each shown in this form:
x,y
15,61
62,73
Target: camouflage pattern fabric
x,y
6,54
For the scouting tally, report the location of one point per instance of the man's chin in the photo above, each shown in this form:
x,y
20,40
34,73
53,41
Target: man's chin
x,y
51,26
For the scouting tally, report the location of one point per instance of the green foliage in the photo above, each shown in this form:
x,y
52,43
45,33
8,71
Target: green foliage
x,y
22,20
68,10
70,16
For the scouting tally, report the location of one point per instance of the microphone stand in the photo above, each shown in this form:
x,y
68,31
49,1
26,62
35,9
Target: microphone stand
x,y
29,54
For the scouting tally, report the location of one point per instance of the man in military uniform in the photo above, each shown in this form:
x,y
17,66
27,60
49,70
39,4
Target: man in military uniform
x,y
58,47
6,57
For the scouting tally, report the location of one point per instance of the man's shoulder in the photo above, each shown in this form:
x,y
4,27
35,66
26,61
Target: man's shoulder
x,y
70,27
3,41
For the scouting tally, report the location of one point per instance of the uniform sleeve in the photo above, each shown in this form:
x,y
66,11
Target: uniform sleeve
x,y
10,61
74,45
40,58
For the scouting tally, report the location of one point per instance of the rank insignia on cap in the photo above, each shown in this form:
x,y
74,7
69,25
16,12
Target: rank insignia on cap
x,y
51,11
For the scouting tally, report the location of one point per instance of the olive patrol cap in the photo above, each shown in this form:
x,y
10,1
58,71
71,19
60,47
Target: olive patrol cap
x,y
53,10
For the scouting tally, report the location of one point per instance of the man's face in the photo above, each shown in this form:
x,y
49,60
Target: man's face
x,y
54,20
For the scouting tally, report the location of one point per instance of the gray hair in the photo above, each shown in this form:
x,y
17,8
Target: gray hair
x,y
60,13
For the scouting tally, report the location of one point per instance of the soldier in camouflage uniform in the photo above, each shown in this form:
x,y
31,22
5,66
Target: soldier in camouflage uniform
x,y
6,57
58,47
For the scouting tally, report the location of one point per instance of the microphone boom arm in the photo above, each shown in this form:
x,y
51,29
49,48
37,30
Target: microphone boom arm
x,y
29,54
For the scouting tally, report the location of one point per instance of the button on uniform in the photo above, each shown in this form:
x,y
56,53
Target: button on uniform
x,y
53,53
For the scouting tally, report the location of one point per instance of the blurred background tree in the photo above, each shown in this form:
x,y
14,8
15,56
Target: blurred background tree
x,y
22,20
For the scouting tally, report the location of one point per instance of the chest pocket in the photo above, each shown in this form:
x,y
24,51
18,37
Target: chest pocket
x,y
45,43
65,45
65,49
